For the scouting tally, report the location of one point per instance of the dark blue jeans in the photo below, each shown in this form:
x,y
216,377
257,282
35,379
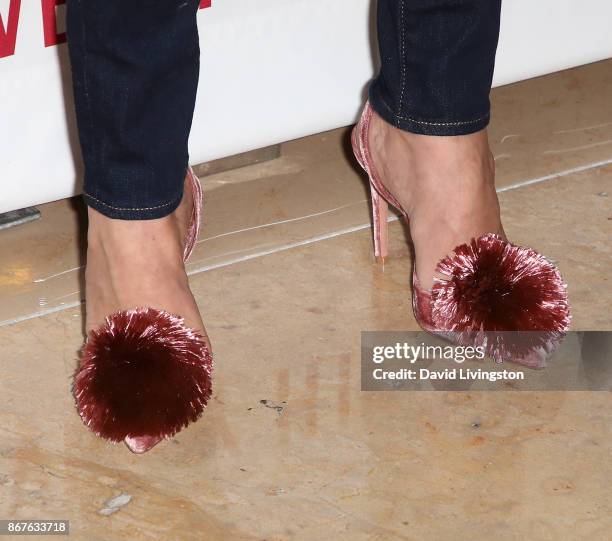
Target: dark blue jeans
x,y
135,66
135,69
437,59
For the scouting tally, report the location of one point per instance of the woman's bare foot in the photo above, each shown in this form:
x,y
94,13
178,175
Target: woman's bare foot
x,y
445,184
139,263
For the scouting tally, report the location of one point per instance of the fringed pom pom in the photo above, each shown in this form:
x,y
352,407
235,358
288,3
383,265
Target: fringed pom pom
x,y
142,373
494,288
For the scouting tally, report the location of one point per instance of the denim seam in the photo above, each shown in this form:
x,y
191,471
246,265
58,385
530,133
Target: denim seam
x,y
402,59
84,38
458,123
122,208
443,123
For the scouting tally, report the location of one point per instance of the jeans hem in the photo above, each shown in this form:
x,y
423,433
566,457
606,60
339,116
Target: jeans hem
x,y
123,213
425,127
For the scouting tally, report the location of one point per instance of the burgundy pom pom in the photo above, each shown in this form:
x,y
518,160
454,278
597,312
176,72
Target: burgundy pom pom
x,y
493,289
142,373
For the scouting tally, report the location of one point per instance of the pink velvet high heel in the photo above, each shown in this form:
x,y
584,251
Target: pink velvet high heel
x,y
493,288
143,375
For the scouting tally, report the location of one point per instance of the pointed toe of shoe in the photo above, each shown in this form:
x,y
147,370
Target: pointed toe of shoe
x,y
141,444
143,376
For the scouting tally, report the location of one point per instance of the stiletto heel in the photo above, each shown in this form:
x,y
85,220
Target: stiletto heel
x,y
143,375
379,194
380,225
491,286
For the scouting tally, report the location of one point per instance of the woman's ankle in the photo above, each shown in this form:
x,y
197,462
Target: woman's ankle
x,y
409,162
105,231
446,185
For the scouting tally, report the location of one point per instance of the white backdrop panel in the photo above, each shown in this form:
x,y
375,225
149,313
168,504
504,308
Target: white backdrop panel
x,y
271,71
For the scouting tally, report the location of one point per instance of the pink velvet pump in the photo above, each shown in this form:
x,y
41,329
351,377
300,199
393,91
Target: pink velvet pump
x,y
143,375
509,299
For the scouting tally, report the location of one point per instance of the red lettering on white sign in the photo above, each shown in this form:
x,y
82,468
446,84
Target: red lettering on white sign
x,y
8,32
49,13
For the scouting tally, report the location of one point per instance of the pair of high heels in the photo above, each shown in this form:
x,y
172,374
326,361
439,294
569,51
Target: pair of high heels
x,y
144,375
